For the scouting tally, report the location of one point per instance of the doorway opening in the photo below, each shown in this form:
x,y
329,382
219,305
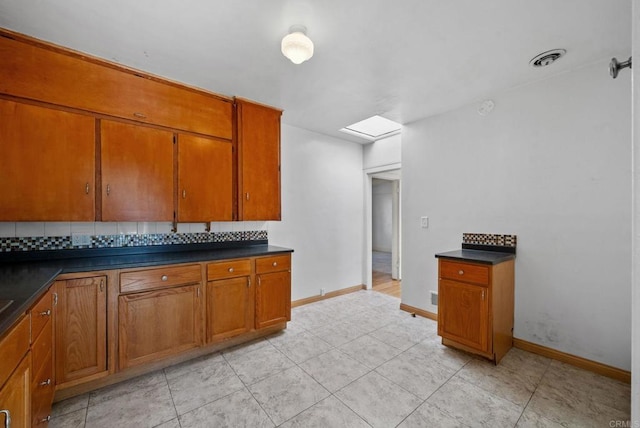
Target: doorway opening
x,y
384,232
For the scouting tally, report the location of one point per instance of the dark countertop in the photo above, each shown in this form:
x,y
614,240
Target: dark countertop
x,y
24,282
478,256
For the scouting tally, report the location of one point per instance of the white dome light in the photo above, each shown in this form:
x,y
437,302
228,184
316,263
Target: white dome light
x,y
296,45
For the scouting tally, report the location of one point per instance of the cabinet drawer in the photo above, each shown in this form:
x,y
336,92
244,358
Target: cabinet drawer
x,y
273,264
228,269
41,314
42,348
13,347
149,279
465,272
42,390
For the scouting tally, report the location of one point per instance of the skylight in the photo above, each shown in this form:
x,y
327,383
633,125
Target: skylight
x,y
373,128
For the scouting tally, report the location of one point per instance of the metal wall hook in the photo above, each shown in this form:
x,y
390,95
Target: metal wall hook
x,y
615,66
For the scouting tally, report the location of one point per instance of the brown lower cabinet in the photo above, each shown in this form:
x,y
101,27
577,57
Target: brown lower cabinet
x,y
273,290
15,375
475,307
15,400
157,324
42,380
230,299
81,329
114,323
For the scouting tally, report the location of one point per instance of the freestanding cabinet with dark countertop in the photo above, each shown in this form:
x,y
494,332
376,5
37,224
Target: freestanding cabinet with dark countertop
x,y
475,303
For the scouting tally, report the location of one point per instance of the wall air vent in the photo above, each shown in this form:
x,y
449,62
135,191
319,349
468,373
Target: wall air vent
x,y
547,58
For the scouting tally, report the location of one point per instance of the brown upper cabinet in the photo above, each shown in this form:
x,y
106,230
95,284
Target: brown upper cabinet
x,y
137,172
45,73
258,161
85,139
205,179
47,164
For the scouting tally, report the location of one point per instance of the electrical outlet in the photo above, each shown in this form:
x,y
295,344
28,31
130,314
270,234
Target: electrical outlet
x,y
322,291
424,222
78,240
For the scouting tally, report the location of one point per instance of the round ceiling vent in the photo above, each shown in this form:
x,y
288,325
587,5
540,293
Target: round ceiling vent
x,y
547,58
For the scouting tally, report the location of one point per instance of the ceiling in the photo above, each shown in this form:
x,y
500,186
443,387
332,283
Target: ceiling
x,y
403,60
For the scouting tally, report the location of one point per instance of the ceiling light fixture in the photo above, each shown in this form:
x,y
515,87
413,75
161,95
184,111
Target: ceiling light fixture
x,y
296,45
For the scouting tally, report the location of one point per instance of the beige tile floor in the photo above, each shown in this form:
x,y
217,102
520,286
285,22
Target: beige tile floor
x,y
354,361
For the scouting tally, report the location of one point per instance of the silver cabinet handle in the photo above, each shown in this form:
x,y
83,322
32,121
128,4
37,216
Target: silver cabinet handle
x,y
482,294
47,419
140,115
55,299
45,313
86,188
460,272
231,269
184,193
102,285
274,264
7,420
108,189
247,195
45,382
248,281
164,277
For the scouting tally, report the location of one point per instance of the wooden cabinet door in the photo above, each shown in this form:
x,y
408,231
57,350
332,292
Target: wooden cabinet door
x,y
205,179
47,165
15,399
273,298
259,162
57,76
81,329
156,324
229,308
137,173
463,314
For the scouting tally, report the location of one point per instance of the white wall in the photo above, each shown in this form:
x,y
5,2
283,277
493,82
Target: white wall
x,y
322,211
550,164
381,208
635,301
382,152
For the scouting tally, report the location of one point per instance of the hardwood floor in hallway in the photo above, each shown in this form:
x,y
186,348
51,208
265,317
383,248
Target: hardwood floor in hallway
x,y
383,283
381,275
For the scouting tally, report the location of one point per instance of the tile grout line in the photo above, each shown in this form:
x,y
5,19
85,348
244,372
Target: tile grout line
x,y
533,393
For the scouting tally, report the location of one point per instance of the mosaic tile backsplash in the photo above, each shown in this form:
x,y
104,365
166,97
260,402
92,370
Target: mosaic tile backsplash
x,y
43,243
489,239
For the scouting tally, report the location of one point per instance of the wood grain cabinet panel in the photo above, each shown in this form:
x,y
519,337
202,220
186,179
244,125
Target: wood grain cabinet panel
x,y
15,396
463,313
258,161
156,324
47,166
205,179
52,75
230,308
229,269
137,173
43,381
475,306
81,329
14,346
163,277
273,290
